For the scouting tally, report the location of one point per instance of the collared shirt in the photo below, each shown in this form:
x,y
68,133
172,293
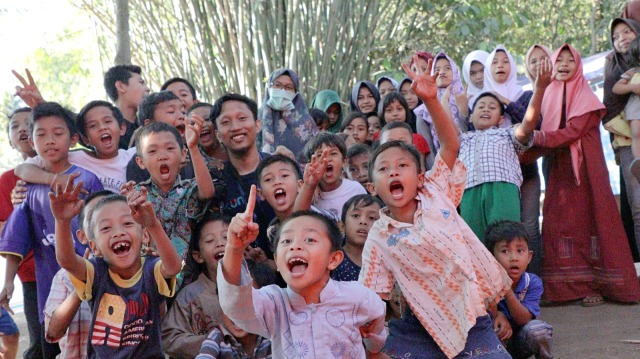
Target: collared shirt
x,y
529,292
491,155
220,344
329,329
444,271
176,209
73,345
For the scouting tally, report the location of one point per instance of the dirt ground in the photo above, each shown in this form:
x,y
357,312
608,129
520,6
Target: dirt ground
x,y
578,332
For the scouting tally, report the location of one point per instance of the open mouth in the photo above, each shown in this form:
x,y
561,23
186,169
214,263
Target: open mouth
x,y
106,139
218,256
205,134
485,116
164,171
23,137
281,196
180,129
297,266
500,72
397,189
329,170
121,248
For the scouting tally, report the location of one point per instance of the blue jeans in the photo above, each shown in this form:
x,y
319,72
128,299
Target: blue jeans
x,y
408,339
534,338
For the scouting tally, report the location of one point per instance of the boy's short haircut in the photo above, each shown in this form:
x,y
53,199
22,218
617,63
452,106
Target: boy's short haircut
x,y
333,232
54,109
389,99
90,197
319,117
198,105
359,201
80,119
328,139
505,230
156,127
216,109
261,273
396,124
358,149
352,116
410,149
179,79
103,201
268,161
488,94
117,73
149,104
15,112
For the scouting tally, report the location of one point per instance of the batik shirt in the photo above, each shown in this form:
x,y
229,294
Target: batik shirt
x,y
176,209
126,320
444,271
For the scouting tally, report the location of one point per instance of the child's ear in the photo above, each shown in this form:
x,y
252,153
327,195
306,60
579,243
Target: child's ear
x,y
123,129
530,256
140,163
94,249
185,153
371,189
146,122
259,192
501,120
82,237
121,87
300,183
86,140
30,139
420,179
336,259
74,140
197,257
341,227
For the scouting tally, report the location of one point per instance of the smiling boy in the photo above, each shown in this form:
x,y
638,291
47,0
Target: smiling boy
x,y
314,316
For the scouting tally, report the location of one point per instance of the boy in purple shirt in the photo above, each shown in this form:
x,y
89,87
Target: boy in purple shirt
x,y
516,322
31,225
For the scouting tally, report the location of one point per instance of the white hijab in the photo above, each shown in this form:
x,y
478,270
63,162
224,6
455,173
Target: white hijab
x,y
473,91
510,88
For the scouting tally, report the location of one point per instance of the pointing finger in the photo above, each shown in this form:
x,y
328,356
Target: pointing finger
x,y
251,204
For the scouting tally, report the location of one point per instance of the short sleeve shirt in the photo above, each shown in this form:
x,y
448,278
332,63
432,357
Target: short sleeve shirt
x,y
529,292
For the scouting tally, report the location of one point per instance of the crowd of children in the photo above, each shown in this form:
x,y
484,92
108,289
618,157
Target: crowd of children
x,y
407,227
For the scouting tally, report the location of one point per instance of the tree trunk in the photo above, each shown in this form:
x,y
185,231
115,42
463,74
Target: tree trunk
x,y
123,41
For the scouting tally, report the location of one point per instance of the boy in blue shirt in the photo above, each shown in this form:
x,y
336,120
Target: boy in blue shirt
x,y
516,322
31,225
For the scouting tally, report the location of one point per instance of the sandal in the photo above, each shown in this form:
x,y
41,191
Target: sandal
x,y
634,168
592,301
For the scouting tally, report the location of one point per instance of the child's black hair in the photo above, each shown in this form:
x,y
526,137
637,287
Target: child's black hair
x,y
268,161
53,109
198,105
319,117
396,124
358,149
359,201
410,149
81,118
493,96
388,100
261,273
90,197
333,232
149,104
101,203
15,112
328,139
179,79
156,127
216,109
351,117
193,268
117,73
505,230
634,52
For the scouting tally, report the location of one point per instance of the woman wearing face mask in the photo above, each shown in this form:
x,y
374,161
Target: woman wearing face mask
x,y
284,114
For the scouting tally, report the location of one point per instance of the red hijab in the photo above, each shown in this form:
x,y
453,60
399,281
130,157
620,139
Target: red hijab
x,y
580,100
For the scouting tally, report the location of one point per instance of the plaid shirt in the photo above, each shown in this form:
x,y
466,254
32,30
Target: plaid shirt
x,y
491,155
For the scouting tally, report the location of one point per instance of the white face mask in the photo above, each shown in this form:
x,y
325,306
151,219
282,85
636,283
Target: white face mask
x,y
280,100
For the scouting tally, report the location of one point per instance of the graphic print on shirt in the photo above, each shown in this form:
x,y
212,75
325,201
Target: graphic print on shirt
x,y
395,238
109,319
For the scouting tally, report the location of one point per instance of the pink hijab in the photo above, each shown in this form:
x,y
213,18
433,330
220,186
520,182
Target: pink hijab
x,y
580,100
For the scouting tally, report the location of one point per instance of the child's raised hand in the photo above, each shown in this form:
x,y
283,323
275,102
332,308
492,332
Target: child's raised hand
x,y
126,188
446,96
141,209
462,100
242,230
424,85
29,92
543,74
315,169
66,204
192,130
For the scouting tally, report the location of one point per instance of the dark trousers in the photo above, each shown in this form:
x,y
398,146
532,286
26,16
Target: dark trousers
x,y
30,295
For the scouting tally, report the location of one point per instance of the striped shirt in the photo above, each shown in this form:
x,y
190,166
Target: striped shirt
x,y
221,346
443,270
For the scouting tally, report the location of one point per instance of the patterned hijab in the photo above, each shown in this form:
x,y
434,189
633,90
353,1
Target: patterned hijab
x,y
478,56
292,129
510,88
580,100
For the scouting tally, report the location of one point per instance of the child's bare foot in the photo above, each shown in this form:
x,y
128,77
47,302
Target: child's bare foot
x,y
634,167
592,301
